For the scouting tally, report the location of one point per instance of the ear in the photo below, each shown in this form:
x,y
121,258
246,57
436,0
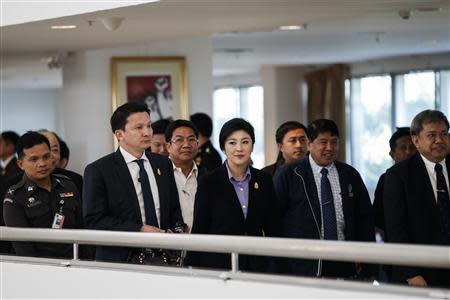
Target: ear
x,y
20,163
118,134
279,146
309,145
391,154
415,140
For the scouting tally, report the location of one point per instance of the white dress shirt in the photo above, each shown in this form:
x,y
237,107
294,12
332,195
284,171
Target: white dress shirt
x,y
187,188
4,163
333,177
133,167
432,173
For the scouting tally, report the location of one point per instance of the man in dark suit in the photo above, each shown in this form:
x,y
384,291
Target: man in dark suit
x,y
8,170
322,198
416,200
130,189
402,148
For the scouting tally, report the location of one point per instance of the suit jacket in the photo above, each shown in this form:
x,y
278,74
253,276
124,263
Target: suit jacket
x,y
110,201
217,210
301,213
412,215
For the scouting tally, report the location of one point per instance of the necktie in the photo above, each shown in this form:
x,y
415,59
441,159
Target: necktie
x,y
149,205
328,211
443,204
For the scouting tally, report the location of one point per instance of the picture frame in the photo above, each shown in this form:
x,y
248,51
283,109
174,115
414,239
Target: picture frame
x,y
160,82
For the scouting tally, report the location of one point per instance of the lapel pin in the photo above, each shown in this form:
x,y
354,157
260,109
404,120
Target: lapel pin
x,y
256,186
158,171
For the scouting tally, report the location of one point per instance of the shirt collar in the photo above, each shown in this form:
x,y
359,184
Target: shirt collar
x,y
129,158
4,163
230,176
316,168
194,169
430,165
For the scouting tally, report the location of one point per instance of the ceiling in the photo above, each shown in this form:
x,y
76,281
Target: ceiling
x,y
245,34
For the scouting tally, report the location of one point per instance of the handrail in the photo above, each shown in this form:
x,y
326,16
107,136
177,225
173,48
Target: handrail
x,y
395,254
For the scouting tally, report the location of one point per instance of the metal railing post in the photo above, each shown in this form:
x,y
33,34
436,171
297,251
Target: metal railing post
x,y
234,262
75,251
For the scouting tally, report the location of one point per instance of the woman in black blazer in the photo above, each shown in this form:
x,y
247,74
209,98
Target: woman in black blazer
x,y
235,199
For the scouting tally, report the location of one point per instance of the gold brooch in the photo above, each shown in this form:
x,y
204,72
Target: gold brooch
x,y
158,171
256,186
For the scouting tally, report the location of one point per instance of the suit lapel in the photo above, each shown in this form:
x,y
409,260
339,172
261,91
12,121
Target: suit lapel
x,y
311,190
125,178
233,198
158,169
347,199
253,190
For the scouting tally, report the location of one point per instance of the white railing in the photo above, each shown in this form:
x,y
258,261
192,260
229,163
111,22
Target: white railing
x,y
394,254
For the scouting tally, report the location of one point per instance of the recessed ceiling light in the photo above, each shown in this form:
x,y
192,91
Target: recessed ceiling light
x,y
293,27
64,26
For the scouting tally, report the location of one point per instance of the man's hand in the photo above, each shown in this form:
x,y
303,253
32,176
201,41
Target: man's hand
x,y
417,281
149,228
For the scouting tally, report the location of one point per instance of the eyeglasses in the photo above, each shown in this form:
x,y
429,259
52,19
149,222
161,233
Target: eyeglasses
x,y
178,141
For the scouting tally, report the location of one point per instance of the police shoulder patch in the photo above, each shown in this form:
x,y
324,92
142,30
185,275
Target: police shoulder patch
x,y
7,200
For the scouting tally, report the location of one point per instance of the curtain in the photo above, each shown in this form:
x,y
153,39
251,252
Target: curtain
x,y
326,98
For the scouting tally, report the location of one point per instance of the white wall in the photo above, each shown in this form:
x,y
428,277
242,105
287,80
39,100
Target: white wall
x,y
283,101
87,92
29,109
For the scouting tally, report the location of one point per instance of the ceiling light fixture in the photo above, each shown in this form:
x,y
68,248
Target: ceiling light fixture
x,y
64,26
292,27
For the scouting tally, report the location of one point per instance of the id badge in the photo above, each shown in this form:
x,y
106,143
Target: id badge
x,y
58,221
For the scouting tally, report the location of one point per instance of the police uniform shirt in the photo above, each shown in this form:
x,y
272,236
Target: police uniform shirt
x,y
27,205
208,157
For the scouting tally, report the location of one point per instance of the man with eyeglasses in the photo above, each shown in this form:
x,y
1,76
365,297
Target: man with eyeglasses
x,y
182,145
292,144
416,198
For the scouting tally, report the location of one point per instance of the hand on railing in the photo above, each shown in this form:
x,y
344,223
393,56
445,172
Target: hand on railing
x,y
417,281
149,228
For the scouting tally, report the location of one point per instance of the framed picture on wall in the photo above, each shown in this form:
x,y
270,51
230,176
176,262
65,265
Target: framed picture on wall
x,y
158,82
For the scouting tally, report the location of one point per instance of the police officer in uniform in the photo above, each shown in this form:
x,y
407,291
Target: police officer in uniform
x,y
208,157
41,199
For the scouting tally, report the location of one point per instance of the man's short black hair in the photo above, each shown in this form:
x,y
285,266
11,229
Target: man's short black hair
x,y
399,133
160,126
285,128
234,125
120,115
321,126
177,124
203,123
10,137
425,117
29,140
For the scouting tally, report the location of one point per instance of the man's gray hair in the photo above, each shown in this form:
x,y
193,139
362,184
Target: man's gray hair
x,y
425,117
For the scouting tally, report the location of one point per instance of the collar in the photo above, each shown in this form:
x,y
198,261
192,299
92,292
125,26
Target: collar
x,y
316,168
230,176
129,158
4,163
430,165
30,186
194,169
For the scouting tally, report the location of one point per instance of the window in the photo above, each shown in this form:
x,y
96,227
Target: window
x,y
246,103
379,104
